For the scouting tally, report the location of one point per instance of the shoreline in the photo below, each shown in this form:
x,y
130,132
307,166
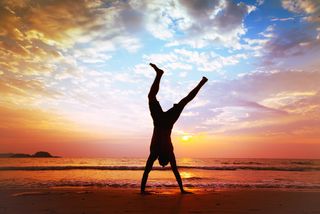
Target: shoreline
x,y
162,200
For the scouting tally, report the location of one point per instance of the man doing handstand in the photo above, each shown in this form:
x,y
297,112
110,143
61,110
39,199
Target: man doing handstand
x,y
161,146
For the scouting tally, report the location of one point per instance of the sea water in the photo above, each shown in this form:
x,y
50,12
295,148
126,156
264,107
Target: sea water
x,y
206,173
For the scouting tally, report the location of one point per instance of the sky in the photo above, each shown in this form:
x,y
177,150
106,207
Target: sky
x,y
74,76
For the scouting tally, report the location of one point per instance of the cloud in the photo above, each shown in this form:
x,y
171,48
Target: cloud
x,y
38,128
232,16
189,114
283,46
64,23
45,47
282,19
15,86
185,59
196,23
50,22
301,6
51,29
259,103
209,61
36,36
309,9
260,2
294,47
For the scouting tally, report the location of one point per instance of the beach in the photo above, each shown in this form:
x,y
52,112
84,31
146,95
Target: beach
x,y
112,185
161,200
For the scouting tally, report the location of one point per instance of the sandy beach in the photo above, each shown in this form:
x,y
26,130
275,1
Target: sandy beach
x,y
117,200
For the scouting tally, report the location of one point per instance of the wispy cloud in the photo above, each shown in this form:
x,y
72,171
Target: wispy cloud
x,y
282,19
257,103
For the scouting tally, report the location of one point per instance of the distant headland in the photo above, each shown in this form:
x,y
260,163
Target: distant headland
x,y
40,154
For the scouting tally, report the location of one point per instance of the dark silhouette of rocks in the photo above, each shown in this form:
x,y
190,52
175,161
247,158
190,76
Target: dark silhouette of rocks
x,y
20,155
40,154
6,155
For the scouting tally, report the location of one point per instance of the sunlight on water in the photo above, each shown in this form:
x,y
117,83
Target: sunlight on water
x,y
186,175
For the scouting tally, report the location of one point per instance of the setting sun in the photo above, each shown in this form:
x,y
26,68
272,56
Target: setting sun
x,y
186,137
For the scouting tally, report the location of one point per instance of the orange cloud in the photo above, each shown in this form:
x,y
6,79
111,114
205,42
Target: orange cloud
x,y
34,126
28,88
25,24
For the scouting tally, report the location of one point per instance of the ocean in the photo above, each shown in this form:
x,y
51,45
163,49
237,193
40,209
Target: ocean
x,y
204,173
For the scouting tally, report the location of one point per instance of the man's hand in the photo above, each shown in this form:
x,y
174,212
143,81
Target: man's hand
x,y
186,192
204,80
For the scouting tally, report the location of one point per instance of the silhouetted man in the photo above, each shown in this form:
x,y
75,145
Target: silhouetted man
x,y
161,146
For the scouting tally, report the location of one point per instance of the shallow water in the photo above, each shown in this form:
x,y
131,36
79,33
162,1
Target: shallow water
x,y
127,172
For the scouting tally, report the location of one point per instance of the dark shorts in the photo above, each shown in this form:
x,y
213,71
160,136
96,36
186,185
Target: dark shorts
x,y
156,110
164,156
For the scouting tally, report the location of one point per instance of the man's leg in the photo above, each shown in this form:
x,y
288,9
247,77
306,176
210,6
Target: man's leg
x,y
194,92
149,164
176,173
155,85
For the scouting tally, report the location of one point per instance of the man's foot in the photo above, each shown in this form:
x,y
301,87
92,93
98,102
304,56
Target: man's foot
x,y
186,192
158,70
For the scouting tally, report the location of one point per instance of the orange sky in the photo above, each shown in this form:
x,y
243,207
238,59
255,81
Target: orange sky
x,y
74,77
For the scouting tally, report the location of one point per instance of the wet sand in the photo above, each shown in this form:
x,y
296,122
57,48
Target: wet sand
x,y
117,200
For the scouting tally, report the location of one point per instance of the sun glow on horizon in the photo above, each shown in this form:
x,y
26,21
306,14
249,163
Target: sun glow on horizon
x,y
186,138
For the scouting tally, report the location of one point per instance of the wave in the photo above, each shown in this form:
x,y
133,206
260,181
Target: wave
x,y
302,162
267,168
193,178
202,185
243,162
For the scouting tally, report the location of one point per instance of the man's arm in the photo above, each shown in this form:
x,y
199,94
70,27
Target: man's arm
x,y
194,92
